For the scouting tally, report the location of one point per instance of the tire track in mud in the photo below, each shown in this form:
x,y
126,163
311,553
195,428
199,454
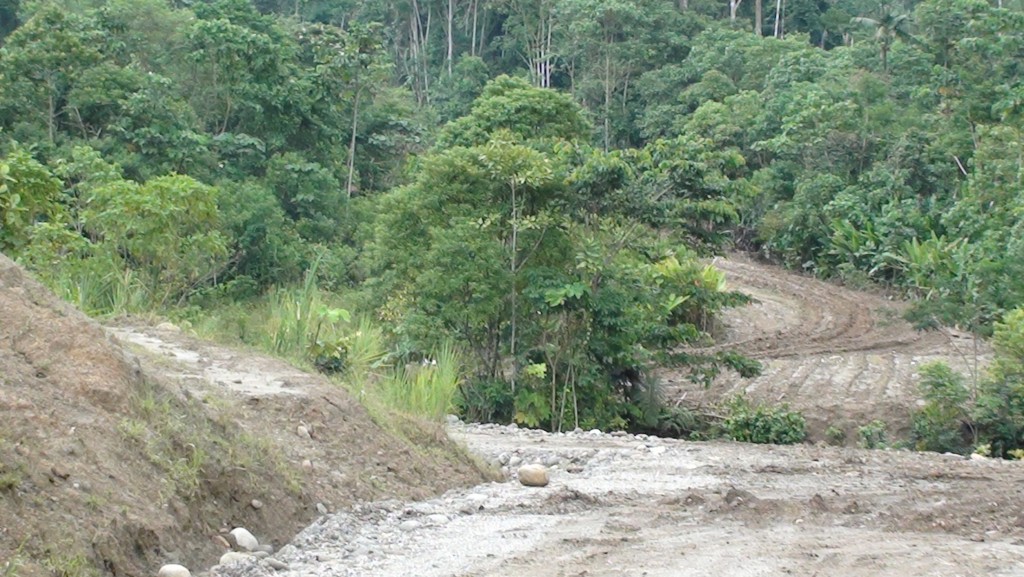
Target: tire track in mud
x,y
842,357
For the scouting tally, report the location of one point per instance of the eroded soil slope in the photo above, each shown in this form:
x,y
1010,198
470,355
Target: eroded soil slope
x,y
842,357
116,461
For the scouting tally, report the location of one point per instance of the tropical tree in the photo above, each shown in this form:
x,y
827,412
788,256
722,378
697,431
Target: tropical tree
x,y
888,26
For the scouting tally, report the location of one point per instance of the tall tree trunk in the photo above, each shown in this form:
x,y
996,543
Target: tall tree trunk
x,y
607,98
734,5
482,36
547,56
778,16
51,114
474,8
451,34
352,140
415,42
684,5
515,240
758,18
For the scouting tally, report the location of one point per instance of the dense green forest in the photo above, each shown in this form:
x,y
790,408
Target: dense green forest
x,y
531,182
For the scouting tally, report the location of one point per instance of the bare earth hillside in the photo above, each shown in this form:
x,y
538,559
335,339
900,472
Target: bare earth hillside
x,y
842,357
116,462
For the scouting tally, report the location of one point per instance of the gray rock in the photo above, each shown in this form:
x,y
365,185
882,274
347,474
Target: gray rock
x,y
266,548
437,519
515,461
410,525
173,570
276,565
321,508
533,475
256,504
244,540
233,557
303,432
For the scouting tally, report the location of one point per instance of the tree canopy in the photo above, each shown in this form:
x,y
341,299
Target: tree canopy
x,y
534,179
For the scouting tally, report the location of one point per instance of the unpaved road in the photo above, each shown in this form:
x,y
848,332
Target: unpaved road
x,y
843,358
637,506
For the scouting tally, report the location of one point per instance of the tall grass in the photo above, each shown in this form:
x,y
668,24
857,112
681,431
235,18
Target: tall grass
x,y
425,389
367,352
289,321
102,290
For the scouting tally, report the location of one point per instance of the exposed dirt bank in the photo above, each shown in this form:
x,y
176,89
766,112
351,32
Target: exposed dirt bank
x,y
842,357
116,462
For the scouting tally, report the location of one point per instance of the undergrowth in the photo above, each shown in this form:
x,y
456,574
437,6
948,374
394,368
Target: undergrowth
x,y
314,329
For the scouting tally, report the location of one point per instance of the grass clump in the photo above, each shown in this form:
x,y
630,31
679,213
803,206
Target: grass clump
x,y
835,436
873,435
307,327
426,389
62,564
10,478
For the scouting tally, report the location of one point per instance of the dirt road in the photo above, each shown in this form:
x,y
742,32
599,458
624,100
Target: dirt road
x,y
637,506
844,358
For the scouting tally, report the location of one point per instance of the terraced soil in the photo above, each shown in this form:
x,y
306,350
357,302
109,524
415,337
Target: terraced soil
x,y
842,357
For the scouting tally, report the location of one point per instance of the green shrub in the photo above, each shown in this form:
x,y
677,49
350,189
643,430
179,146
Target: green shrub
x,y
680,422
1000,408
486,401
835,436
943,424
872,435
763,424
